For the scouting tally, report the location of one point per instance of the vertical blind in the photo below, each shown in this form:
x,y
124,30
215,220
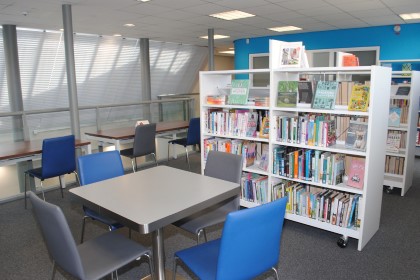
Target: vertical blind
x,y
107,71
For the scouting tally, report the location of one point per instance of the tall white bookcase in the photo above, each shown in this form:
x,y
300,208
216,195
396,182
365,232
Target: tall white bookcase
x,y
407,154
212,81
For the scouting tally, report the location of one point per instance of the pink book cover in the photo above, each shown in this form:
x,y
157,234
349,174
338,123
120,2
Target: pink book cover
x,y
356,173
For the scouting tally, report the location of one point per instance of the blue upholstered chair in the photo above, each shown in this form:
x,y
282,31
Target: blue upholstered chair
x,y
193,138
58,159
223,166
249,246
93,259
98,167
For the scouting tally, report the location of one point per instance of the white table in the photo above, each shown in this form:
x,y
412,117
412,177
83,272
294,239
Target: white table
x,y
148,200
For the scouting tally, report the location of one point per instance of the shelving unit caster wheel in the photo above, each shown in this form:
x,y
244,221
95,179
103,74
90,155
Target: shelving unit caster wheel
x,y
389,189
342,241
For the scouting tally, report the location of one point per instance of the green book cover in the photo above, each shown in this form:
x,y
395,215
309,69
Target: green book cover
x,y
239,92
325,94
287,93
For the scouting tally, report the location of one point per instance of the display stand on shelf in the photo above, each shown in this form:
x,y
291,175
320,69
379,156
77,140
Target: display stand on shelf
x,y
331,178
402,134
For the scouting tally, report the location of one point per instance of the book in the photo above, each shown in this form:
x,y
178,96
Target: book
x,y
287,93
403,90
393,141
291,54
356,172
142,122
305,92
357,135
394,117
239,92
359,98
325,95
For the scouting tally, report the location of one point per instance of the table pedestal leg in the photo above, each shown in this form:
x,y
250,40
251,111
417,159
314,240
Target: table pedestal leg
x,y
158,254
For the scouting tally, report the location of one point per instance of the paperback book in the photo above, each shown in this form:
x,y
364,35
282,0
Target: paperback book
x,y
325,95
355,172
239,92
287,93
394,116
359,98
357,135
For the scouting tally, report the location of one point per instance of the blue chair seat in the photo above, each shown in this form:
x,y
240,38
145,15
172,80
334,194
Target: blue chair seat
x,y
113,225
202,259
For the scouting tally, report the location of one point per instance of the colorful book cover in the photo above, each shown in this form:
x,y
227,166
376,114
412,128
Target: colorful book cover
x,y
325,95
287,93
291,54
356,172
394,116
357,135
359,98
239,92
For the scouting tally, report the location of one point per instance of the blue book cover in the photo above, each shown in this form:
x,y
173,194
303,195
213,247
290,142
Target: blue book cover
x,y
394,116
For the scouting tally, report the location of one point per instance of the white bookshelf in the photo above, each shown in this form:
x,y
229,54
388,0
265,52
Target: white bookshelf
x,y
380,78
404,181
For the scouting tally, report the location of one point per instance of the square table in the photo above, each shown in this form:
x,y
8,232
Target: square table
x,y
148,200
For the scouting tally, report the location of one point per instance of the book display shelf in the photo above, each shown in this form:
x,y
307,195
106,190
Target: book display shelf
x,y
403,133
330,184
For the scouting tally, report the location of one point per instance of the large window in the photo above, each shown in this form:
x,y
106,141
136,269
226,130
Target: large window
x,y
107,72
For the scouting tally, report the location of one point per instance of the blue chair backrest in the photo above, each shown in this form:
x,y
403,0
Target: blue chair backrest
x,y
250,243
58,156
193,135
99,166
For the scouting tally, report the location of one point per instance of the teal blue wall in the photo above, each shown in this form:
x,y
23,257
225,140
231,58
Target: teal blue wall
x,y
406,45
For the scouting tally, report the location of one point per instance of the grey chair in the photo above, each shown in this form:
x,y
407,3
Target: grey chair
x,y
223,166
93,259
144,144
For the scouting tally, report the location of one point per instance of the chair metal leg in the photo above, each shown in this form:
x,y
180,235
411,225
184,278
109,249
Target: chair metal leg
x,y
188,159
151,267
132,164
62,184
83,228
201,231
275,271
42,189
154,155
77,177
53,270
168,150
174,268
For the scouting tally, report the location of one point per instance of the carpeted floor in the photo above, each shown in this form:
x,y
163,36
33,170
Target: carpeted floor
x,y
306,252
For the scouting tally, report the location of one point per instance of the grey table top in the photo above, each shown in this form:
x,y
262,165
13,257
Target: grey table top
x,y
153,198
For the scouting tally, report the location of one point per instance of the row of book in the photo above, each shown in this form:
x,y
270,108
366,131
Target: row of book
x,y
329,206
248,150
254,188
396,140
323,94
318,166
308,129
236,122
394,165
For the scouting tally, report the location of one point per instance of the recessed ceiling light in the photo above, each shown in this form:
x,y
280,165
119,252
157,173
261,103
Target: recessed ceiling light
x,y
284,28
117,35
410,16
143,0
129,25
231,15
216,36
228,52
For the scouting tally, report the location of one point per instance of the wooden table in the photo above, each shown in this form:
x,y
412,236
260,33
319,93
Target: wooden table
x,y
148,200
14,152
118,136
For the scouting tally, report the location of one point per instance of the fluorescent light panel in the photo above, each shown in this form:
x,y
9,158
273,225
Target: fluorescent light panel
x,y
410,16
232,15
129,25
228,52
285,28
216,36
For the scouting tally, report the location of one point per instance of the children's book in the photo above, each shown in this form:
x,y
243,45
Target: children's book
x,y
305,91
356,172
357,135
291,54
239,92
359,98
394,116
325,95
287,93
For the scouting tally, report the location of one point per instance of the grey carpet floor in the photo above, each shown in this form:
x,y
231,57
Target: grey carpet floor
x,y
306,252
